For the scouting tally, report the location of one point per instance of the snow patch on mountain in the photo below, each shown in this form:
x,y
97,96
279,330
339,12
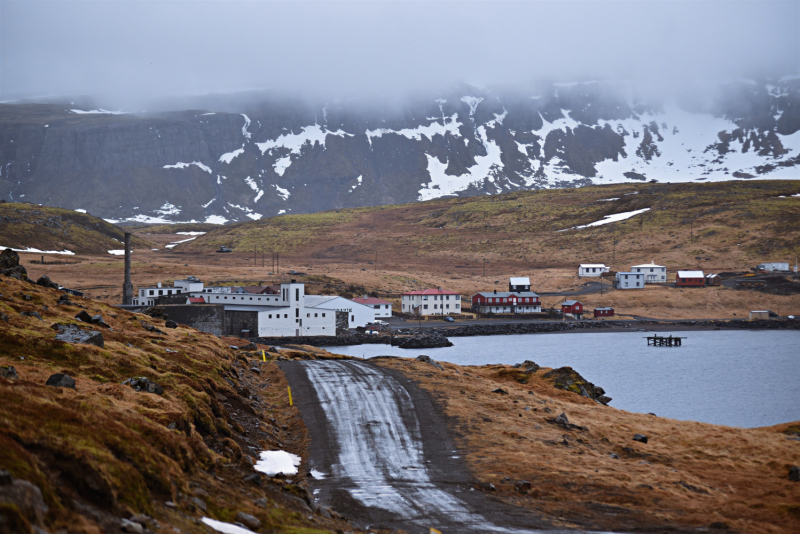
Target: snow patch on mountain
x,y
283,193
228,157
98,112
181,165
294,143
353,188
246,124
449,125
247,211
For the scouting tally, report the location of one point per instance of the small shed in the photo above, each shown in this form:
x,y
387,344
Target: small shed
x,y
690,278
713,280
572,307
604,312
592,269
196,300
757,315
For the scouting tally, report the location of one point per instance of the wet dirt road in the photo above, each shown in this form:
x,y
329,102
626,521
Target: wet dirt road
x,y
382,456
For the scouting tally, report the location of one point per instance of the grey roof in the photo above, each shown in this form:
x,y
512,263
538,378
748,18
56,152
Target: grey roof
x,y
571,302
505,294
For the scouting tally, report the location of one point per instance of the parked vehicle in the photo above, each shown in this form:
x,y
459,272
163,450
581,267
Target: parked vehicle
x,y
382,323
449,319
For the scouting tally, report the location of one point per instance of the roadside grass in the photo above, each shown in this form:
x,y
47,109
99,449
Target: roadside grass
x,y
688,475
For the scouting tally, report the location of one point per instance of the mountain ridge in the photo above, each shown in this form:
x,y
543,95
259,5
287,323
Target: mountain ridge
x,y
285,156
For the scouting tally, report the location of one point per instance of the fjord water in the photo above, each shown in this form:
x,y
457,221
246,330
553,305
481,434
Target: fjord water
x,y
725,377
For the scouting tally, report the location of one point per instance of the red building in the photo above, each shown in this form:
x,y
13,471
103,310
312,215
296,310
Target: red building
x,y
506,302
572,307
690,278
604,312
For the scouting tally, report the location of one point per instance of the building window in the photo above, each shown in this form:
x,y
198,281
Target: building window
x,y
448,306
315,315
285,315
425,307
270,316
323,315
352,318
308,315
226,298
425,297
152,292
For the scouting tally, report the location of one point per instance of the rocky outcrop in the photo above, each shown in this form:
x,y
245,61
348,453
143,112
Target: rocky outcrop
x,y
9,265
60,380
428,340
141,383
568,379
71,333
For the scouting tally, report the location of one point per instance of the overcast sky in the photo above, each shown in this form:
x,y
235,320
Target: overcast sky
x,y
141,49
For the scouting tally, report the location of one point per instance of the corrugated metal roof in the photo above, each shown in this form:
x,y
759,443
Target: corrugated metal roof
x,y
370,300
432,292
648,265
197,300
603,265
570,302
691,274
505,294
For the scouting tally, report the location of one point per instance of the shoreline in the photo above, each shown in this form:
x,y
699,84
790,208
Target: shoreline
x,y
572,327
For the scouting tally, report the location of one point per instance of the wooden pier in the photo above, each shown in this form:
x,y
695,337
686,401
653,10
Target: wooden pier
x,y
661,341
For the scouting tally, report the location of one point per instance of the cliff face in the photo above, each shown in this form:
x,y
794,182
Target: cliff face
x,y
287,157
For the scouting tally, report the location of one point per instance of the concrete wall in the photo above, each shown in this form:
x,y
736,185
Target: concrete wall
x,y
236,321
204,318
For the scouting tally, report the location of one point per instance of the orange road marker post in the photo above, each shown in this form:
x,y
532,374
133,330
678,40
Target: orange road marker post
x,y
289,389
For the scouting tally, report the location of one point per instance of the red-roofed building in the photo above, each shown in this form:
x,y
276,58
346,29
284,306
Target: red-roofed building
x,y
431,302
383,308
573,308
196,300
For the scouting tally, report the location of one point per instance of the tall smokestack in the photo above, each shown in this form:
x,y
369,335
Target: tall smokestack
x,y
127,287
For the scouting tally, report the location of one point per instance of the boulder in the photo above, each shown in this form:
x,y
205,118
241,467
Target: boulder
x,y
529,366
60,380
26,496
71,333
8,372
45,281
562,419
249,346
500,391
84,316
568,379
131,527
640,437
429,361
31,314
98,320
248,520
794,473
9,265
141,383
171,324
3,317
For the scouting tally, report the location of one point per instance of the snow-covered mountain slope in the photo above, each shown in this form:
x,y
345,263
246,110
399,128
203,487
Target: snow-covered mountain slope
x,y
287,157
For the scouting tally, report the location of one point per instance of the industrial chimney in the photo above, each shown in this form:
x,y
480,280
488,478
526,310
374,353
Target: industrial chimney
x,y
127,287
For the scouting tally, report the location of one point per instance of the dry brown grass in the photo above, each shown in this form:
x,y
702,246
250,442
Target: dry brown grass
x,y
688,475
104,451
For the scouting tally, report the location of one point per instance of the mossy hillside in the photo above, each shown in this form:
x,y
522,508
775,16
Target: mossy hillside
x,y
106,446
741,217
25,225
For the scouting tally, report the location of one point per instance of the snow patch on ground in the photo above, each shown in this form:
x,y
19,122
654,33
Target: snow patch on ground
x,y
190,233
319,475
181,165
225,528
98,112
176,243
228,156
117,252
608,219
272,463
81,211
37,251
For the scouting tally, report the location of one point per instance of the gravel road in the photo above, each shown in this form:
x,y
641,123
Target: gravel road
x,y
382,456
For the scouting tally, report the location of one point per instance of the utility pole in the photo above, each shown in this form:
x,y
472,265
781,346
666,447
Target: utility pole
x,y
376,262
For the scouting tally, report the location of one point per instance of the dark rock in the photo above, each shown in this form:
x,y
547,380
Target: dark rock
x,y
27,498
562,419
60,380
794,473
255,370
64,296
5,477
249,346
141,383
248,520
200,503
429,361
142,519
8,372
719,525
171,324
83,316
4,317
500,391
428,341
568,379
522,486
26,297
261,503
73,334
613,456
45,281
8,259
255,478
640,437
32,314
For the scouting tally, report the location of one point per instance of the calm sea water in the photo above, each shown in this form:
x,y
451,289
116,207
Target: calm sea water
x,y
734,378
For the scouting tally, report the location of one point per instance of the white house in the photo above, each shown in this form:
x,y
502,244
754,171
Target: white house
x,y
653,274
357,314
383,308
592,269
431,302
148,295
629,280
774,266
